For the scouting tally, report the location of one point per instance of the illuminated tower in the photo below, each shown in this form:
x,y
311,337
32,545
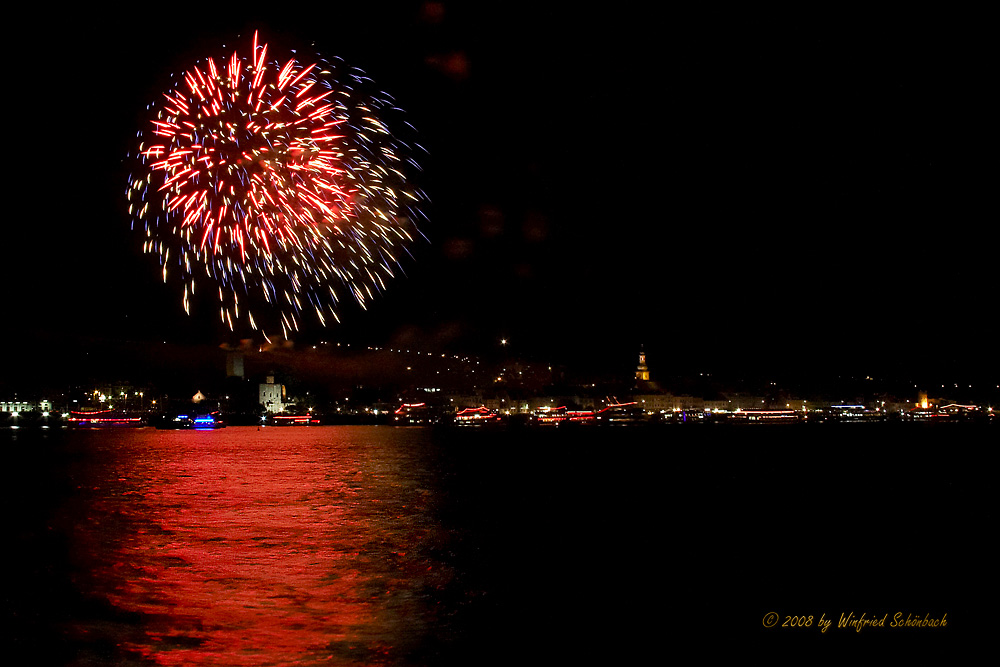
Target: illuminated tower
x,y
642,370
272,395
234,364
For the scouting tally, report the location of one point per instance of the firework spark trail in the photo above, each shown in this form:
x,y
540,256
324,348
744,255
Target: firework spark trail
x,y
277,182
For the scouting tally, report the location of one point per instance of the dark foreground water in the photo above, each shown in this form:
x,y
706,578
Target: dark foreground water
x,y
411,546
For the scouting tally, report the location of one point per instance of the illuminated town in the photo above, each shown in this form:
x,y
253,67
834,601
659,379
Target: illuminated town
x,y
439,388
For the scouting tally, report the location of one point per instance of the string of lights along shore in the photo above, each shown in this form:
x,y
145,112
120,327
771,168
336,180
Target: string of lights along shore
x,y
279,186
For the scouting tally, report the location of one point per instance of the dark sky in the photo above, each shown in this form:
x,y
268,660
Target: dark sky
x,y
806,190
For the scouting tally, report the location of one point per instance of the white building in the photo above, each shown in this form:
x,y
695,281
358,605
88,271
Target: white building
x,y
271,395
43,405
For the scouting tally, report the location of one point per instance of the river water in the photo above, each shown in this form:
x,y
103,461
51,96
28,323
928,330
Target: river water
x,y
418,546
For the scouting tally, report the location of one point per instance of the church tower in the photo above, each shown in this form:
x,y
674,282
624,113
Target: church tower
x,y
642,370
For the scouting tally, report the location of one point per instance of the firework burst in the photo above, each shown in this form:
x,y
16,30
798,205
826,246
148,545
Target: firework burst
x,y
277,184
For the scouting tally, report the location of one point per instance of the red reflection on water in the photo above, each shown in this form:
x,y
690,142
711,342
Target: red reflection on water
x,y
278,546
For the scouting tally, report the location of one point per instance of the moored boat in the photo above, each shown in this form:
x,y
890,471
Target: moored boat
x,y
201,422
104,419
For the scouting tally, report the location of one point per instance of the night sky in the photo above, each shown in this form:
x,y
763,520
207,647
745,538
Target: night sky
x,y
774,190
